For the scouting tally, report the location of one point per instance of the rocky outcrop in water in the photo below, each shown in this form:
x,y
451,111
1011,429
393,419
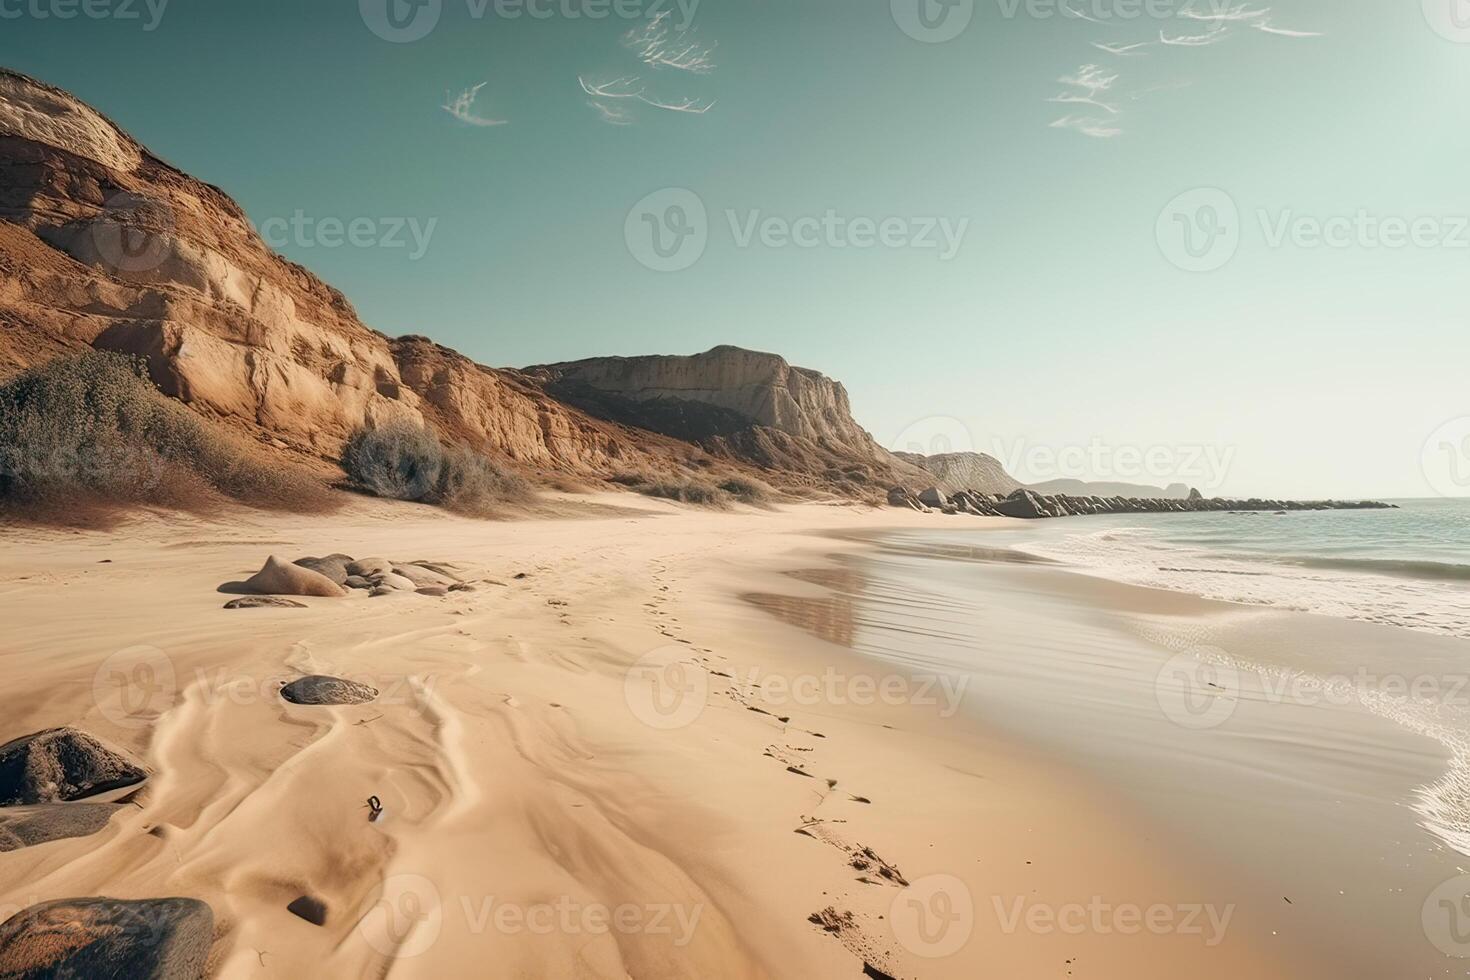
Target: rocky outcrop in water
x,y
1030,505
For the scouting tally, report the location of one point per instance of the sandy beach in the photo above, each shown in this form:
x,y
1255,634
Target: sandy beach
x,y
603,762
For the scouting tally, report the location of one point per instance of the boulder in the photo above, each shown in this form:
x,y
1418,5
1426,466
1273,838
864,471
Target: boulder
x,y
421,576
25,826
901,497
1023,503
62,764
318,689
263,601
369,567
394,581
280,577
333,567
154,939
933,498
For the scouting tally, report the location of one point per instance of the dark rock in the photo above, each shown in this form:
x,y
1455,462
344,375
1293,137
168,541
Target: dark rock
x,y
310,908
901,497
25,826
62,764
1023,503
369,567
333,567
154,939
319,689
262,601
932,498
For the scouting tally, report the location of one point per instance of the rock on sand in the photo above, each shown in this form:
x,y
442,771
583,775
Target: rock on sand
x,y
62,764
280,577
153,939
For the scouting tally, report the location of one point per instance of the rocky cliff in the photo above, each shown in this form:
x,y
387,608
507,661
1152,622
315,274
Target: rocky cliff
x,y
952,472
738,403
103,244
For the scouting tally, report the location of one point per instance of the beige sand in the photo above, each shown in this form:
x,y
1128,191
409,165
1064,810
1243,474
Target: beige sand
x,y
540,818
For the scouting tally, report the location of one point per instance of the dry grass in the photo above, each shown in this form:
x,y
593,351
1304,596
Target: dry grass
x,y
406,462
700,492
85,438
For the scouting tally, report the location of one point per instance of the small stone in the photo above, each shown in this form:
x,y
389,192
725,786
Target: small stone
x,y
310,908
318,689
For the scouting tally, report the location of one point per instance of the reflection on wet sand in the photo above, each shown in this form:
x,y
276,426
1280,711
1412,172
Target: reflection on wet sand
x,y
829,618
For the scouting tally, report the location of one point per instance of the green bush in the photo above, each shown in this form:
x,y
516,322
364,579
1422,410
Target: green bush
x,y
401,461
94,430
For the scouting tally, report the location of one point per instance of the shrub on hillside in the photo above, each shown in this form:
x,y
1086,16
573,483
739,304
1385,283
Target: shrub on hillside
x,y
92,430
401,461
689,490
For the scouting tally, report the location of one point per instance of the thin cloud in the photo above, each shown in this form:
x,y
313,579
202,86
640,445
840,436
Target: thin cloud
x,y
659,46
1087,126
1122,50
1240,13
1212,36
462,107
683,105
612,113
1083,15
618,88
1282,31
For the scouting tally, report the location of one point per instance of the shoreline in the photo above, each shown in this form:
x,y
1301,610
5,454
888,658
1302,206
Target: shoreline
x,y
521,786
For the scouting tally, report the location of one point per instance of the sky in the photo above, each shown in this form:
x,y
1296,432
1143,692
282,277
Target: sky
x,y
1234,256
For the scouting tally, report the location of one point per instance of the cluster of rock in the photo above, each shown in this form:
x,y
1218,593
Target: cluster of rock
x,y
338,575
1031,505
60,783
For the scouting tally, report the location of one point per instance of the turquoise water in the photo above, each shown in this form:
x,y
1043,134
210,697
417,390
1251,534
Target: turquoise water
x,y
1408,567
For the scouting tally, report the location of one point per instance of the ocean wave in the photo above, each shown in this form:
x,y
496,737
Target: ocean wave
x,y
1419,595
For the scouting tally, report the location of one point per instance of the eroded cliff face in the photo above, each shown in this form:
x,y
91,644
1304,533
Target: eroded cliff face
x,y
741,403
103,244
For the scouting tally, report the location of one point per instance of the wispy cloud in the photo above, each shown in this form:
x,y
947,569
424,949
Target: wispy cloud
x,y
618,88
1215,34
1240,13
462,107
696,106
1084,15
1087,126
1122,50
1265,26
658,45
